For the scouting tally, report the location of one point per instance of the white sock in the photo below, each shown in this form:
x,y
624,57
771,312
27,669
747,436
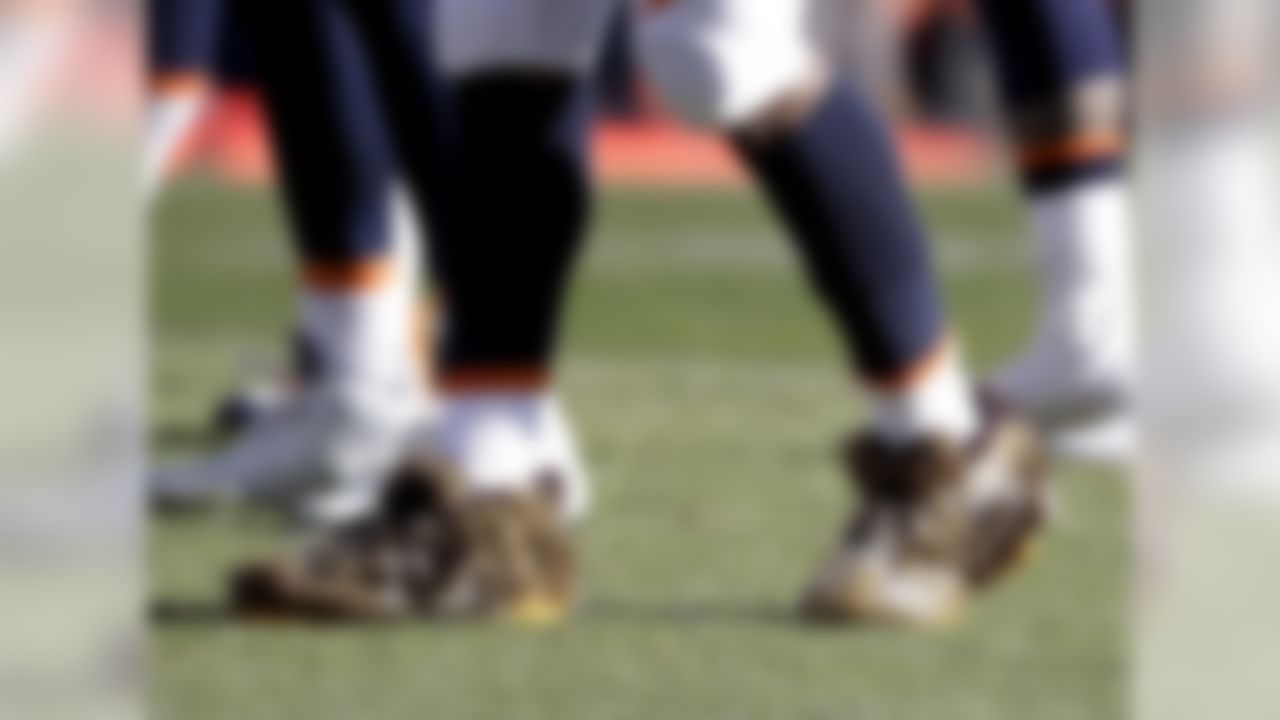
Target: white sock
x,y
369,333
505,440
171,117
941,403
359,333
1083,254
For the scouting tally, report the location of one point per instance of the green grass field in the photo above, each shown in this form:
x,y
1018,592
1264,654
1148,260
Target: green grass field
x,y
710,397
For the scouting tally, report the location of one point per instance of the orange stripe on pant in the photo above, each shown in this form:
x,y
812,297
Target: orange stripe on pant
x,y
916,372
347,276
173,84
1070,151
495,379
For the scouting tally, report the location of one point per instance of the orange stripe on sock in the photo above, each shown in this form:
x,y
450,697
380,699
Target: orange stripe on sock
x,y
1076,149
177,83
916,371
347,276
495,379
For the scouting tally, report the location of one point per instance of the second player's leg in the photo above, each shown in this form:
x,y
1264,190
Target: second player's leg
x,y
400,40
501,461
357,301
519,71
1060,70
500,467
749,69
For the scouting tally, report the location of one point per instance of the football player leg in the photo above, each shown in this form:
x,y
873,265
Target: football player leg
x,y
498,477
1061,80
493,542
520,72
409,90
357,304
949,495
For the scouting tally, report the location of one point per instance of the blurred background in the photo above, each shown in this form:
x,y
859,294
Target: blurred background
x,y
921,60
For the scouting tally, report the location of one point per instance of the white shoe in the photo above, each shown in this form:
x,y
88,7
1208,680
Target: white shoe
x,y
1065,374
267,388
341,504
327,439
1083,408
253,403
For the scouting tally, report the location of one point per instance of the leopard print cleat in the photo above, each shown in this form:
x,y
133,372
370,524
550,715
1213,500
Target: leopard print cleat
x,y
430,550
936,524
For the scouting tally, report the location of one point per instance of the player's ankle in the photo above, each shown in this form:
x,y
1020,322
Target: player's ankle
x,y
505,428
358,321
931,398
489,424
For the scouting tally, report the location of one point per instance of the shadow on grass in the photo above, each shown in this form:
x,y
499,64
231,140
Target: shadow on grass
x,y
701,613
204,614
190,613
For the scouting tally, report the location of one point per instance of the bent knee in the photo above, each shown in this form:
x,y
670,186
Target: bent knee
x,y
721,63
